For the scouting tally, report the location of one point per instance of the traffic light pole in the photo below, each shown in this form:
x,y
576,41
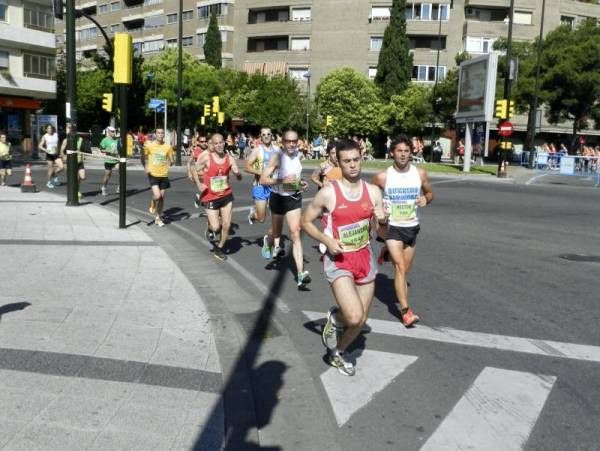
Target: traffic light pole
x,y
71,107
123,90
507,87
179,84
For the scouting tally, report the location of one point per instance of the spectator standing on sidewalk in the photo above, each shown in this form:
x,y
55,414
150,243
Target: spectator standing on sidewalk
x,y
49,145
5,157
158,157
80,166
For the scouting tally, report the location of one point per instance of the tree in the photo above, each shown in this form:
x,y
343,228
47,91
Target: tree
x,y
394,68
352,100
571,80
409,112
90,86
213,44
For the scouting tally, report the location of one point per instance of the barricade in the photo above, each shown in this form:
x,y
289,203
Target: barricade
x,y
569,165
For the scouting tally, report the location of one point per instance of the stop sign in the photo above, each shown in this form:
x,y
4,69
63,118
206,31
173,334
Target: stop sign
x,y
505,129
582,140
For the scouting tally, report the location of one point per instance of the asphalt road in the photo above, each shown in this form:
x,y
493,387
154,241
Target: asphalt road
x,y
506,281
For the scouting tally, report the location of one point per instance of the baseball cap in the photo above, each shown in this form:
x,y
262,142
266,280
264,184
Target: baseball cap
x,y
110,129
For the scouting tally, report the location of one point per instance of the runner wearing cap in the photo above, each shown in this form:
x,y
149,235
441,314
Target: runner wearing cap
x,y
110,146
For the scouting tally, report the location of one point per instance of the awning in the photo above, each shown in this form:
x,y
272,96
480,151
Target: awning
x,y
20,102
269,68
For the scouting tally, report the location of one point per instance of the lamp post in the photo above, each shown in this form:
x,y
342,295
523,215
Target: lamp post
x,y
533,109
437,74
179,83
507,84
152,76
307,76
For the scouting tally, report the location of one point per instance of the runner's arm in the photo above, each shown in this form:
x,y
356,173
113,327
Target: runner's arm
x,y
315,177
316,207
200,167
234,168
189,167
63,147
379,179
427,196
248,167
266,176
42,144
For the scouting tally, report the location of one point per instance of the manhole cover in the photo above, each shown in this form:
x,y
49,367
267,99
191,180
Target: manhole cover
x,y
581,258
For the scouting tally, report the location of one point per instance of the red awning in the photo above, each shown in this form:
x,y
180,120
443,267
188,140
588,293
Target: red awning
x,y
20,102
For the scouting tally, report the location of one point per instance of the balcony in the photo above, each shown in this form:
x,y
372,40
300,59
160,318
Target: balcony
x,y
426,27
27,86
11,36
488,3
488,29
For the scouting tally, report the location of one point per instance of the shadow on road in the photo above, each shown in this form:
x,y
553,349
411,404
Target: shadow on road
x,y
9,308
385,293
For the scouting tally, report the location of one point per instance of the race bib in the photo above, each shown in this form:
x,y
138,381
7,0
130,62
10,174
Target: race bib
x,y
219,183
52,150
354,236
403,210
158,159
294,186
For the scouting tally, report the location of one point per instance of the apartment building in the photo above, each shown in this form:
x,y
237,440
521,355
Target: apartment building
x,y
27,56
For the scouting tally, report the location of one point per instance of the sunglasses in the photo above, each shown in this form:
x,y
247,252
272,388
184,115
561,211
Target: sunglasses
x,y
290,140
266,134
202,142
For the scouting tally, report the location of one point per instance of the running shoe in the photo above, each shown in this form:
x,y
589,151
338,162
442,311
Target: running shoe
x,y
49,185
152,207
336,360
56,181
277,252
219,254
159,222
79,195
266,249
104,191
197,200
209,234
251,215
303,279
409,318
331,331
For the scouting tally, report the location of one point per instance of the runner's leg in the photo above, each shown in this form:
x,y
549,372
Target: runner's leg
x,y
352,313
226,212
402,257
276,228
293,221
212,217
260,213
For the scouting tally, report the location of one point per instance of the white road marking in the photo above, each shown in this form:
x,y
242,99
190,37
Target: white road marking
x,y
374,371
545,348
498,412
534,179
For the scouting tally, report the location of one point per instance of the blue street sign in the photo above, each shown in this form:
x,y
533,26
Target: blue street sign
x,y
156,103
160,108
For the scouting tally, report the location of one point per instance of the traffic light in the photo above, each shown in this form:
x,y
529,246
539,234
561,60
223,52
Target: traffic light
x,y
206,110
221,118
501,108
202,120
107,100
511,109
123,58
215,105
329,120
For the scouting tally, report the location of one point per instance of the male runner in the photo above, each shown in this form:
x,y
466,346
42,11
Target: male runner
x,y
110,146
158,156
80,166
329,169
5,157
349,264
217,195
405,188
49,144
199,145
255,164
283,173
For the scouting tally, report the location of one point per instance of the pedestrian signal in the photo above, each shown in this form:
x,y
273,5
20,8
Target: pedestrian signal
x,y
221,118
329,120
511,108
501,108
206,110
107,100
215,104
202,120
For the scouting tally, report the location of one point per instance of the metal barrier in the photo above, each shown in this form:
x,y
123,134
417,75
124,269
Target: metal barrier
x,y
571,165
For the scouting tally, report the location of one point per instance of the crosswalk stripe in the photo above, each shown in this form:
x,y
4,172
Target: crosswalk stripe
x,y
480,339
374,371
498,412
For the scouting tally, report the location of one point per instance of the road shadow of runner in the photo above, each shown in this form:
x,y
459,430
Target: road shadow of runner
x,y
176,214
385,293
236,243
15,306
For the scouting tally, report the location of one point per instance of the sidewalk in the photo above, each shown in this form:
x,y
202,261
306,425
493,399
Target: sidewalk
x,y
104,343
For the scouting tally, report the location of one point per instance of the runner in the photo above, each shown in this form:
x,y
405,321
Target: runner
x,y
255,164
49,144
329,169
80,166
199,145
158,156
405,188
110,145
349,264
217,196
283,173
5,157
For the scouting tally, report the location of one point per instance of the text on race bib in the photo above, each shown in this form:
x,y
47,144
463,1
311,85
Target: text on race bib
x,y
219,183
403,211
354,236
158,159
294,186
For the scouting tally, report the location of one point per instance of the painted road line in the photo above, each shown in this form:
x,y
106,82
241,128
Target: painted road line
x,y
534,179
374,371
498,412
545,348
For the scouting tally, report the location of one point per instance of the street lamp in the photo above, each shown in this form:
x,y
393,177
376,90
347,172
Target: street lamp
x,y
151,76
307,76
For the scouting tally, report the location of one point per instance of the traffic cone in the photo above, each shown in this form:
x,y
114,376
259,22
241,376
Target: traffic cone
x,y
28,186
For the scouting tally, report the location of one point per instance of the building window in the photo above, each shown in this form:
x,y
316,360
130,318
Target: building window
x,y
297,73
300,44
380,13
269,15
201,38
38,66
156,21
301,14
137,48
220,9
171,43
3,7
187,15
103,9
115,6
115,28
568,21
427,73
171,18
265,44
376,43
153,46
187,41
522,17
86,34
152,2
479,44
372,72
427,42
440,12
425,11
3,59
37,19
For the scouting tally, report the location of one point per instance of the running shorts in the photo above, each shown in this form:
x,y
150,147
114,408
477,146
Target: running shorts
x,y
280,205
110,166
261,192
358,265
217,204
408,235
50,157
161,182
5,164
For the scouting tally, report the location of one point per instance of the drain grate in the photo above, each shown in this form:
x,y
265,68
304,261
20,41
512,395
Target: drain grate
x,y
581,258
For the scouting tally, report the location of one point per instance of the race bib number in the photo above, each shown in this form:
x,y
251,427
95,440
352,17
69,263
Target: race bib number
x,y
403,211
219,183
354,236
294,186
158,159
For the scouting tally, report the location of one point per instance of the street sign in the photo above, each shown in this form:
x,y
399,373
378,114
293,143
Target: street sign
x,y
582,140
505,129
156,103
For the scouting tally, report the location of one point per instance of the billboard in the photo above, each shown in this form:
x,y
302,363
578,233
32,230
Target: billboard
x,y
477,89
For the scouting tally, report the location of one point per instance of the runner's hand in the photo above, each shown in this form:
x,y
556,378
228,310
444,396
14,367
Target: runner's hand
x,y
421,201
334,247
304,185
381,215
238,176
